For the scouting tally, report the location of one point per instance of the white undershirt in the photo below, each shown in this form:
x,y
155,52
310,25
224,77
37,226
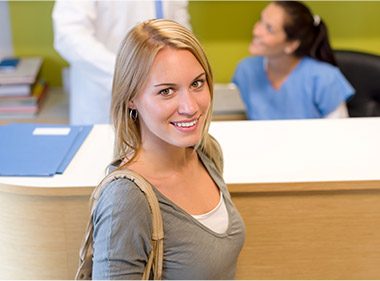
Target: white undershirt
x,y
340,112
217,218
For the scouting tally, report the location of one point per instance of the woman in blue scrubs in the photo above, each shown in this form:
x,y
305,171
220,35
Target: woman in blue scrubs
x,y
292,73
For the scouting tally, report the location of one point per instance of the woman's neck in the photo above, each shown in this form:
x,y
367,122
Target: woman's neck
x,y
163,161
279,68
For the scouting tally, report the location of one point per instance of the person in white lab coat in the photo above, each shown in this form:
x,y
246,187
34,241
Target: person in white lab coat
x,y
87,34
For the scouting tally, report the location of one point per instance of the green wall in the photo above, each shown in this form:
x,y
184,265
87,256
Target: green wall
x,y
223,27
33,35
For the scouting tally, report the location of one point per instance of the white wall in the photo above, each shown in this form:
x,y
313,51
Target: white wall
x,y
6,47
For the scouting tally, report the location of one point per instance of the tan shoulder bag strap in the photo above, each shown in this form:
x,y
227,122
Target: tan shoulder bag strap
x,y
155,259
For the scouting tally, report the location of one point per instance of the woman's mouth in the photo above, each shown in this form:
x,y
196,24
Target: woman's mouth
x,y
185,124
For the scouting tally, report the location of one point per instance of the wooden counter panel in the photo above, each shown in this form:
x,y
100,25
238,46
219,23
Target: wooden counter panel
x,y
40,235
45,191
310,235
304,186
331,234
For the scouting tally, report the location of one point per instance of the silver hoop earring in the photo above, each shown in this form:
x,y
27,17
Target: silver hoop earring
x,y
133,114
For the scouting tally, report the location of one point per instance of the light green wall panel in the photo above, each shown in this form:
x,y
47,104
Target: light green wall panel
x,y
33,35
349,19
223,27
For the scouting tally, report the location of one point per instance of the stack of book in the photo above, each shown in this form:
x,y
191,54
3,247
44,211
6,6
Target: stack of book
x,y
22,90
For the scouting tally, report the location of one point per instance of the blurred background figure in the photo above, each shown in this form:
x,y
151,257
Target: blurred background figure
x,y
292,73
88,34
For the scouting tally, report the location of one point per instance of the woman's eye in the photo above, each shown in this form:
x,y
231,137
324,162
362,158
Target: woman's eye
x,y
166,92
198,83
269,28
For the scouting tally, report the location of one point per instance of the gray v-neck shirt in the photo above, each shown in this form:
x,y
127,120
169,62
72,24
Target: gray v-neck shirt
x,y
122,235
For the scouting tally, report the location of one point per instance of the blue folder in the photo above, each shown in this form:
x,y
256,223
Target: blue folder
x,y
83,132
38,149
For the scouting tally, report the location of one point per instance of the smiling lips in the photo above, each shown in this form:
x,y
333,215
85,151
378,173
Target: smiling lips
x,y
188,124
256,41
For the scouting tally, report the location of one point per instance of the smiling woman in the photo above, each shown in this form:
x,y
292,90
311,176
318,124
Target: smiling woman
x,y
174,104
293,73
161,108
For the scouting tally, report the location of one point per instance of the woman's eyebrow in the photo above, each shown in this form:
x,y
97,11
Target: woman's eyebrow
x,y
164,84
173,84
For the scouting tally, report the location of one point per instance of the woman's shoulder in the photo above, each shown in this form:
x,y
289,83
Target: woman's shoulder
x,y
252,60
121,192
319,70
251,63
325,76
317,66
214,169
248,68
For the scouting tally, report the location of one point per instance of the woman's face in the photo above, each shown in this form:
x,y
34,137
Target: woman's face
x,y
269,38
174,102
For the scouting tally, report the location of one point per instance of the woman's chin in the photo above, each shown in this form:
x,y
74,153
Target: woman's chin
x,y
254,50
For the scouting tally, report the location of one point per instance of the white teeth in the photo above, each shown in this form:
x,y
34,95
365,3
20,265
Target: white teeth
x,y
185,124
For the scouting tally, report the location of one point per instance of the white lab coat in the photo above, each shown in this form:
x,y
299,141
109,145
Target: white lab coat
x,y
87,34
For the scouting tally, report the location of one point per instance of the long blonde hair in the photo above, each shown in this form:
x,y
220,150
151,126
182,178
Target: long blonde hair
x,y
133,63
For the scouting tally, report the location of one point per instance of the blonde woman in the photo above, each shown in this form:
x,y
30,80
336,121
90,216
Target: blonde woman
x,y
161,110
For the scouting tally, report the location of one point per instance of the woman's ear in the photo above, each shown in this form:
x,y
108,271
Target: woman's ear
x,y
292,46
131,105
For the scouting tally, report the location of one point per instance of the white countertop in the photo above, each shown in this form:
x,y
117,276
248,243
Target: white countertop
x,y
254,152
300,150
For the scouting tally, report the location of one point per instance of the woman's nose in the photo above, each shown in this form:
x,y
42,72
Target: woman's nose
x,y
187,103
256,30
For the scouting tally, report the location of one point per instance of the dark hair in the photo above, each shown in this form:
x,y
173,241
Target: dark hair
x,y
300,24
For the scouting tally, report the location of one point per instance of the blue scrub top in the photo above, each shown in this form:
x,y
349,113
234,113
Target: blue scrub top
x,y
312,90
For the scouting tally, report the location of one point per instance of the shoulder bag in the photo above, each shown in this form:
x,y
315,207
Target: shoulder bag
x,y
155,259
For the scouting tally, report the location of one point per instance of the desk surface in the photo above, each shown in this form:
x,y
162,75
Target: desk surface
x,y
300,150
258,152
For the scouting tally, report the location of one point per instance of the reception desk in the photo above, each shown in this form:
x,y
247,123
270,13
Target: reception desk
x,y
308,191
